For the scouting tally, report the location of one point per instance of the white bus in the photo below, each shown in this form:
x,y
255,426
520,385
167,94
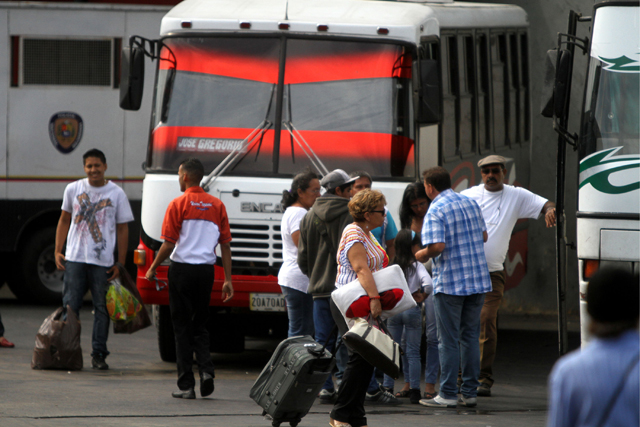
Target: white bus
x,y
259,90
608,144
59,83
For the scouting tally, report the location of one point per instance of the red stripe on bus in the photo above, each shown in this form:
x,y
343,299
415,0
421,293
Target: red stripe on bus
x,y
324,143
298,70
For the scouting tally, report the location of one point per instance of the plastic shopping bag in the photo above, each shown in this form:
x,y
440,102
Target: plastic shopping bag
x,y
58,343
142,319
121,305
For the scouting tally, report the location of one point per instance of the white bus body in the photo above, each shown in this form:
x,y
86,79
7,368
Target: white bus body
x,y
609,183
58,84
344,75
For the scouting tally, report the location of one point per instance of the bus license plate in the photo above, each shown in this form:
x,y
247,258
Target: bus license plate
x,y
267,302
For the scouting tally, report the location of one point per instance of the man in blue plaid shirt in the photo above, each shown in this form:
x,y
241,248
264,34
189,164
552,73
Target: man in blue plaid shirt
x,y
453,234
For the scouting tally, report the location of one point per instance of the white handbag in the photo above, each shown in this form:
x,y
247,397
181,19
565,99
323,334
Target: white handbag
x,y
375,345
386,279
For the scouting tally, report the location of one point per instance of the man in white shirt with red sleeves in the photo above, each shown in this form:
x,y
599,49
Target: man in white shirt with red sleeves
x,y
502,206
194,224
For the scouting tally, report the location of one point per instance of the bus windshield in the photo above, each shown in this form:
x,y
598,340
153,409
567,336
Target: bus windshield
x,y
349,101
611,110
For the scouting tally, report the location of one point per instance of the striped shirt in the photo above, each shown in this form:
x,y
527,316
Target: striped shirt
x,y
377,258
196,222
461,269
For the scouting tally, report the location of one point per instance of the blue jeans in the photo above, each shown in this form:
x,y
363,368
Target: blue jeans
x,y
323,322
458,319
433,358
299,311
408,322
78,277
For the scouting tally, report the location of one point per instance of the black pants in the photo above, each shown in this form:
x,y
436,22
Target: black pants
x,y
189,295
349,406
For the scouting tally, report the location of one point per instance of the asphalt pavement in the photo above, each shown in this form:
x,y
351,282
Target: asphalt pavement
x,y
136,390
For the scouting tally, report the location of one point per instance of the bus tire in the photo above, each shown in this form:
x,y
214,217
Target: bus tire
x,y
226,333
36,278
164,327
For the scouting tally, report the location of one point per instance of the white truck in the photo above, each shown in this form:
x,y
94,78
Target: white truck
x,y
59,82
608,143
260,89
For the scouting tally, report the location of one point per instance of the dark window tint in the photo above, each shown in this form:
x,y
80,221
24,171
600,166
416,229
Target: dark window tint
x,y
466,99
499,87
67,62
450,87
484,93
524,88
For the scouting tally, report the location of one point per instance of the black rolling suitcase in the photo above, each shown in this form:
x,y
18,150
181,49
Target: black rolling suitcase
x,y
289,384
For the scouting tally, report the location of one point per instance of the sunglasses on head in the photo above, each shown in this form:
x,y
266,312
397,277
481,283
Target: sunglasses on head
x,y
494,171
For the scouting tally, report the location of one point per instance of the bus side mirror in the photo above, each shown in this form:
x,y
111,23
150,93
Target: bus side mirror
x,y
131,78
429,97
556,83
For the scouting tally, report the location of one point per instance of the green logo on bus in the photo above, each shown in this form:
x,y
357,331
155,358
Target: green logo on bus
x,y
621,63
596,168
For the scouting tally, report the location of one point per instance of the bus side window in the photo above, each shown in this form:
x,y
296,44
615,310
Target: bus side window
x,y
500,90
450,86
515,94
466,96
484,93
524,87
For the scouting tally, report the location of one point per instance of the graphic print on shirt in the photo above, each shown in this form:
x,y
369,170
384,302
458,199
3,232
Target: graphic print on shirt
x,y
88,213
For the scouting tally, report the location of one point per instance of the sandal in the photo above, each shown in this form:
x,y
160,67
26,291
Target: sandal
x,y
430,395
402,393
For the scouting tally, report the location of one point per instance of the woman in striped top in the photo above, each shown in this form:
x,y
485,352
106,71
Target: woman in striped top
x,y
359,255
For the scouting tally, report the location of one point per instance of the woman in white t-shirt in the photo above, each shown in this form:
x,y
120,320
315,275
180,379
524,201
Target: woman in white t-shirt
x,y
407,326
305,189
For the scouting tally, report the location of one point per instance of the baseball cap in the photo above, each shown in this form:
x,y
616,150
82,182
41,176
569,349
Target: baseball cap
x,y
335,179
492,160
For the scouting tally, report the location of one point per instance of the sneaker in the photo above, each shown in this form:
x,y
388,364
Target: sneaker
x,y
484,390
414,396
97,362
382,397
439,402
326,396
469,402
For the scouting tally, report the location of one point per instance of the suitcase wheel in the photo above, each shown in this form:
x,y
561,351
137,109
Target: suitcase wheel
x,y
294,423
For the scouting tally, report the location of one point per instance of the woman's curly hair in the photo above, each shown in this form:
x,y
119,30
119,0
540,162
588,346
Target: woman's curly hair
x,y
365,201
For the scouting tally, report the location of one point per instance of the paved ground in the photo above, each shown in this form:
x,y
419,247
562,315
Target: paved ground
x,y
136,391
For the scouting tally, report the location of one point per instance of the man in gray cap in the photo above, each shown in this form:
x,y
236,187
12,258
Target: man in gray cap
x,y
599,385
502,206
320,233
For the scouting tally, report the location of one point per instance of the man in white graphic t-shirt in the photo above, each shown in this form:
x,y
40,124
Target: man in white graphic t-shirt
x,y
94,217
502,206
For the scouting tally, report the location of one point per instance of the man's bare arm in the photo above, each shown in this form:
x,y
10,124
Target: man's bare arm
x,y
61,236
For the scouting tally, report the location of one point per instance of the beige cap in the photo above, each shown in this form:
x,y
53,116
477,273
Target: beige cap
x,y
492,160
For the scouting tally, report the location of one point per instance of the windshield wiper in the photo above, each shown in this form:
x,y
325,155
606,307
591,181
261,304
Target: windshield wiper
x,y
246,143
297,137
320,167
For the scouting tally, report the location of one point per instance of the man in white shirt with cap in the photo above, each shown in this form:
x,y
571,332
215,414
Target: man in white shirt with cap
x,y
502,206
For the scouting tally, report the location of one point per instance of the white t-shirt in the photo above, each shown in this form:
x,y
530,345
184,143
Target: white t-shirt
x,y
501,210
95,211
420,278
290,274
